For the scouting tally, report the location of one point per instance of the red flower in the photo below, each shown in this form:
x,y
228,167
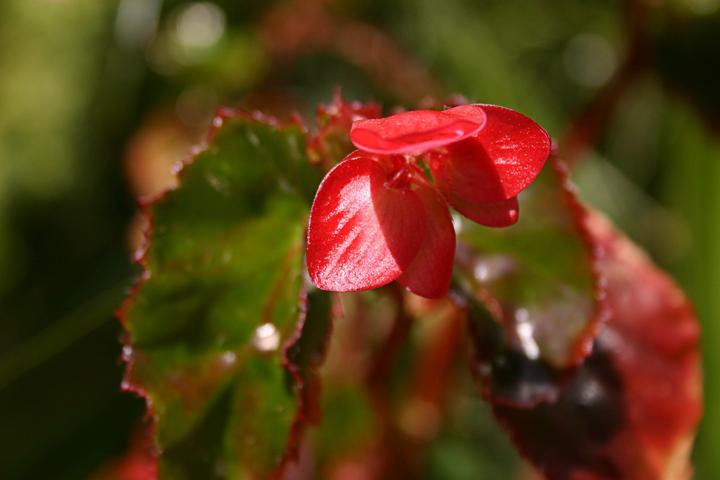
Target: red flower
x,y
377,218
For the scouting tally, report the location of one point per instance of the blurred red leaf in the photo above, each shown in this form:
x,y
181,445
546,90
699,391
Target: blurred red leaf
x,y
631,409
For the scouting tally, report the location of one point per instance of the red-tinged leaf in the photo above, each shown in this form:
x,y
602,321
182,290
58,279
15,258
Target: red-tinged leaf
x,y
216,310
497,163
631,409
362,232
537,277
305,352
429,274
414,132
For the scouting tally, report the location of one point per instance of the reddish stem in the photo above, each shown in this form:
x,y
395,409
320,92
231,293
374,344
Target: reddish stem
x,y
381,366
390,452
432,375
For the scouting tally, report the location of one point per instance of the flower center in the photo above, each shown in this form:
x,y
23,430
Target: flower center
x,y
401,172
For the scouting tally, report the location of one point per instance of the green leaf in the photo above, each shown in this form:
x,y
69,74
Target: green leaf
x,y
537,277
212,320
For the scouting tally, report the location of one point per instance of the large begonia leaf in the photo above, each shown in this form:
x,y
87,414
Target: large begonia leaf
x,y
631,408
215,327
537,277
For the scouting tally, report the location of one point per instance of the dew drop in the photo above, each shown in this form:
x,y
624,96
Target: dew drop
x,y
266,338
217,184
591,392
482,271
127,352
490,268
525,332
253,139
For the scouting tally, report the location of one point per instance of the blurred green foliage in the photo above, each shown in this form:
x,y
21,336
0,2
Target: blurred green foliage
x,y
91,91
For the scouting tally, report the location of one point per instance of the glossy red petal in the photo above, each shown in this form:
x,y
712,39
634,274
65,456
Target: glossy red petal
x,y
362,234
414,132
472,112
491,214
499,162
429,273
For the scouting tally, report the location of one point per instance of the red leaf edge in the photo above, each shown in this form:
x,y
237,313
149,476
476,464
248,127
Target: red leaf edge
x,y
307,393
584,343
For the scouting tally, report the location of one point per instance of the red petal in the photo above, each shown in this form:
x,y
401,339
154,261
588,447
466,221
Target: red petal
x,y
429,273
491,214
473,112
414,132
362,234
499,162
